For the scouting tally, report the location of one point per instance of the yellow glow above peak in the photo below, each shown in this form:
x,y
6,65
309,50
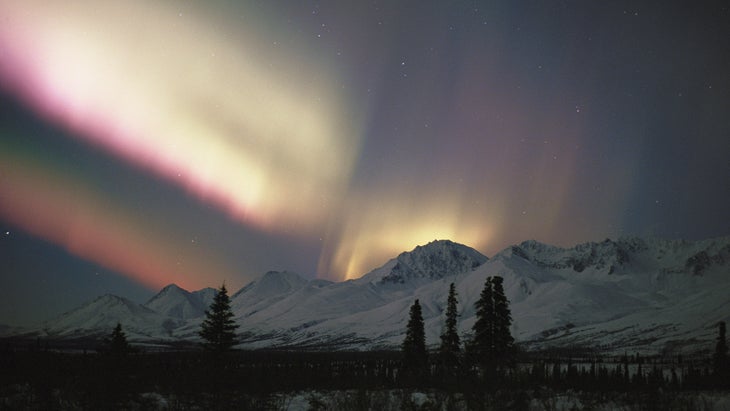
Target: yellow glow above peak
x,y
374,231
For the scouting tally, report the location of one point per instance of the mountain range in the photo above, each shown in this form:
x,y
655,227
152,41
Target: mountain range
x,y
632,294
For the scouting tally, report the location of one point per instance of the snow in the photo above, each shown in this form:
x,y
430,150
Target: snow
x,y
175,302
644,294
101,315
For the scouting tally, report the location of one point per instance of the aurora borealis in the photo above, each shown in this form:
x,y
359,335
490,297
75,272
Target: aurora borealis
x,y
148,143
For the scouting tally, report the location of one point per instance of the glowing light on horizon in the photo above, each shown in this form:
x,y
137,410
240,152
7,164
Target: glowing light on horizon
x,y
373,232
262,135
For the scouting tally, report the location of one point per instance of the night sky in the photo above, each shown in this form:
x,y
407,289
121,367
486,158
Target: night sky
x,y
146,143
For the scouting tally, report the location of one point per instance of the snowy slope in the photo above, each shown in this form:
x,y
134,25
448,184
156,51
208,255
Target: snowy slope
x,y
350,312
639,294
433,261
654,294
163,317
173,301
651,295
268,288
101,315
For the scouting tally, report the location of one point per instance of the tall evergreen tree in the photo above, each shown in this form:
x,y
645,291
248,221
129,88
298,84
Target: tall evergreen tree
x,y
450,342
116,343
504,349
415,357
219,328
481,346
449,363
492,346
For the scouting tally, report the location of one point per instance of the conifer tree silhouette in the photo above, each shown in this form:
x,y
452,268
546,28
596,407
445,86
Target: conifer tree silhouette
x,y
415,357
481,346
219,328
449,354
492,345
504,350
450,342
117,344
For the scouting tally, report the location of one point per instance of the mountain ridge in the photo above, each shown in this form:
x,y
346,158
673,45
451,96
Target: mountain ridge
x,y
610,294
432,262
176,302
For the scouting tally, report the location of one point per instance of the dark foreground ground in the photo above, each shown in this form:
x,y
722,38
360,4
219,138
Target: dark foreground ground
x,y
44,379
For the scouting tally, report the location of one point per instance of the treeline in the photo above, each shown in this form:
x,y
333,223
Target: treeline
x,y
95,379
487,362
597,376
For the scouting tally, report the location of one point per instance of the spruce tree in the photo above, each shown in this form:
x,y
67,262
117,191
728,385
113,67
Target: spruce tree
x,y
415,357
492,345
504,349
481,346
449,363
219,328
116,343
450,342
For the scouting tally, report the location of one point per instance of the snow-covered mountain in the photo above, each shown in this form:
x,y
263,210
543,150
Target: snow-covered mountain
x,y
647,295
102,314
158,319
433,261
631,294
178,303
367,312
267,289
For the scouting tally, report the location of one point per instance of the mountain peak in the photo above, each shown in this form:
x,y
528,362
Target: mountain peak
x,y
435,260
607,254
273,283
102,313
172,287
177,302
667,292
107,299
613,256
166,291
